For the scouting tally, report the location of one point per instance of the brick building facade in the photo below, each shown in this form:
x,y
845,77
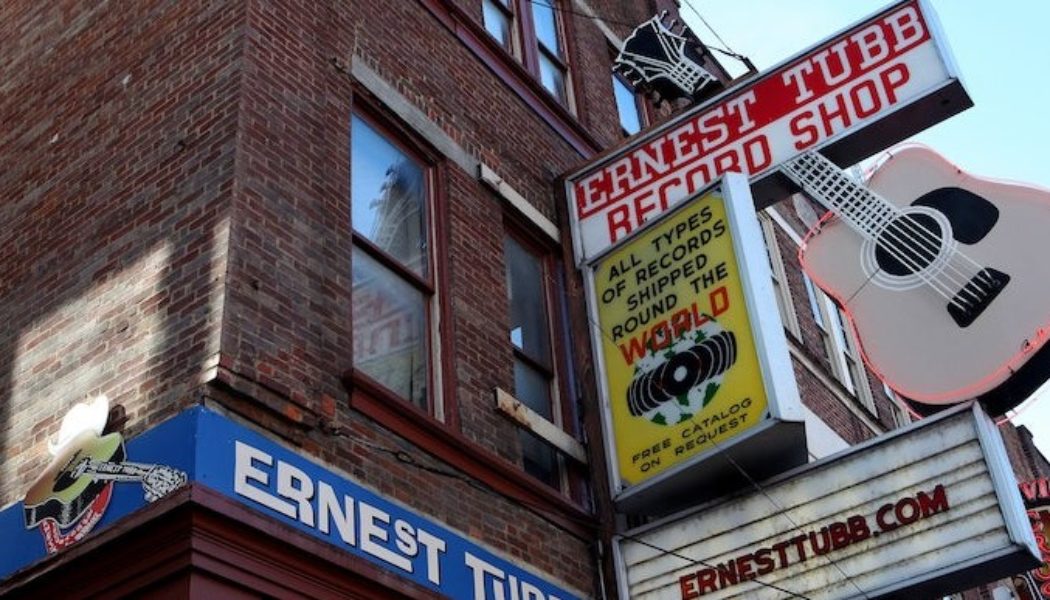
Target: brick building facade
x,y
340,224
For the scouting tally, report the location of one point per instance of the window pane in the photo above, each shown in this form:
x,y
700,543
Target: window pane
x,y
626,105
539,459
497,22
543,20
388,195
533,389
553,78
528,303
814,308
390,329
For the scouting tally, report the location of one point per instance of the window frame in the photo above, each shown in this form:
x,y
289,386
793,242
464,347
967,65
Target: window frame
x,y
781,288
442,439
901,415
508,9
841,346
527,48
570,483
429,286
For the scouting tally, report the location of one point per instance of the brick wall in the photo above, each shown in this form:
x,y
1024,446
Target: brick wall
x,y
116,169
176,176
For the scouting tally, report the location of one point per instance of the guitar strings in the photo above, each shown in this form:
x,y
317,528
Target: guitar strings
x,y
830,180
876,208
929,243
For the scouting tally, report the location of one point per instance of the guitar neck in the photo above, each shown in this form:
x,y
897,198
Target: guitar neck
x,y
862,210
113,471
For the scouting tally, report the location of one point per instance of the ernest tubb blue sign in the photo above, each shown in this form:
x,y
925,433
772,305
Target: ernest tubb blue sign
x,y
256,471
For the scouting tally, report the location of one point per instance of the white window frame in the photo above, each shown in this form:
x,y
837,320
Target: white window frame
x,y
901,416
785,302
840,342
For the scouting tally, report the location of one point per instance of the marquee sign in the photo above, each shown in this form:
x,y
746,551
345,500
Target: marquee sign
x,y
917,513
1036,583
851,95
692,353
256,471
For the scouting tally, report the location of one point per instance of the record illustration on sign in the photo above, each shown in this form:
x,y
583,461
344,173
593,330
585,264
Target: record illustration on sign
x,y
672,384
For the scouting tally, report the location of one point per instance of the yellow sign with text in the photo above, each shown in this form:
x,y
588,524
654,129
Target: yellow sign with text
x,y
680,361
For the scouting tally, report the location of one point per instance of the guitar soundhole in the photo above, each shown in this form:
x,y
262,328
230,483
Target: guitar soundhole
x,y
908,244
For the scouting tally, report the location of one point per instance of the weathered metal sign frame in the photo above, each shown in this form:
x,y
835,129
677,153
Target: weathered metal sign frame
x,y
937,499
773,445
861,90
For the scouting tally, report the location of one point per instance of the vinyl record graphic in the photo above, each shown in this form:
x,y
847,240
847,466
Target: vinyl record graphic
x,y
672,384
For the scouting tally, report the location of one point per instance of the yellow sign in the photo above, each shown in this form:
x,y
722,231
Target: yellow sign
x,y
680,360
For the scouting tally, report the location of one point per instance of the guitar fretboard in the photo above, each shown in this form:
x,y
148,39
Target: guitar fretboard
x,y
863,211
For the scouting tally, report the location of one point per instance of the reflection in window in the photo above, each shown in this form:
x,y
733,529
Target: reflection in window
x,y
390,264
627,107
553,72
498,19
388,192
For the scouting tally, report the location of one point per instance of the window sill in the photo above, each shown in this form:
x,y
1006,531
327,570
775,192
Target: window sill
x,y
450,446
529,420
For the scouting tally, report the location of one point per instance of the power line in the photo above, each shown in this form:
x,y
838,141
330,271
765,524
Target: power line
x,y
755,484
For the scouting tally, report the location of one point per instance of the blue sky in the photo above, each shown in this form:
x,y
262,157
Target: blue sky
x,y
1002,51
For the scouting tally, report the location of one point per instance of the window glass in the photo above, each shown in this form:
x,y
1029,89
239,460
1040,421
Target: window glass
x,y
626,106
528,305
390,329
546,26
814,307
533,388
553,78
841,340
497,21
539,459
389,194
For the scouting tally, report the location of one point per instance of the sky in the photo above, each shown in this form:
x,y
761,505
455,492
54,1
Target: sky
x,y
1002,51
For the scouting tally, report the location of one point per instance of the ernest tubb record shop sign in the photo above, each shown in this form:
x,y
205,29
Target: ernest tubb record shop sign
x,y
854,94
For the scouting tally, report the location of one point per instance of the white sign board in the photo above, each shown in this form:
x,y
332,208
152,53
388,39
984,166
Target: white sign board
x,y
926,510
858,81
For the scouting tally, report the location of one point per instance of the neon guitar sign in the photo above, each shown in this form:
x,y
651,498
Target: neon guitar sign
x,y
942,273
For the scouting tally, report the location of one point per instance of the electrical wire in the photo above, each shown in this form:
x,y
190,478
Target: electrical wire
x,y
593,17
754,483
726,49
408,459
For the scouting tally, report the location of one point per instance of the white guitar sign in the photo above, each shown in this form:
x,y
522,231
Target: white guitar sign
x,y
943,274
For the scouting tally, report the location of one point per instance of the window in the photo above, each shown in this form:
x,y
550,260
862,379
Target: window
x,y
785,303
530,338
632,117
551,56
840,345
816,298
901,416
532,31
498,17
391,264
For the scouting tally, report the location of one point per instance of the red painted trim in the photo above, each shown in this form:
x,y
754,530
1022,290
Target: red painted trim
x,y
213,547
450,446
514,75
